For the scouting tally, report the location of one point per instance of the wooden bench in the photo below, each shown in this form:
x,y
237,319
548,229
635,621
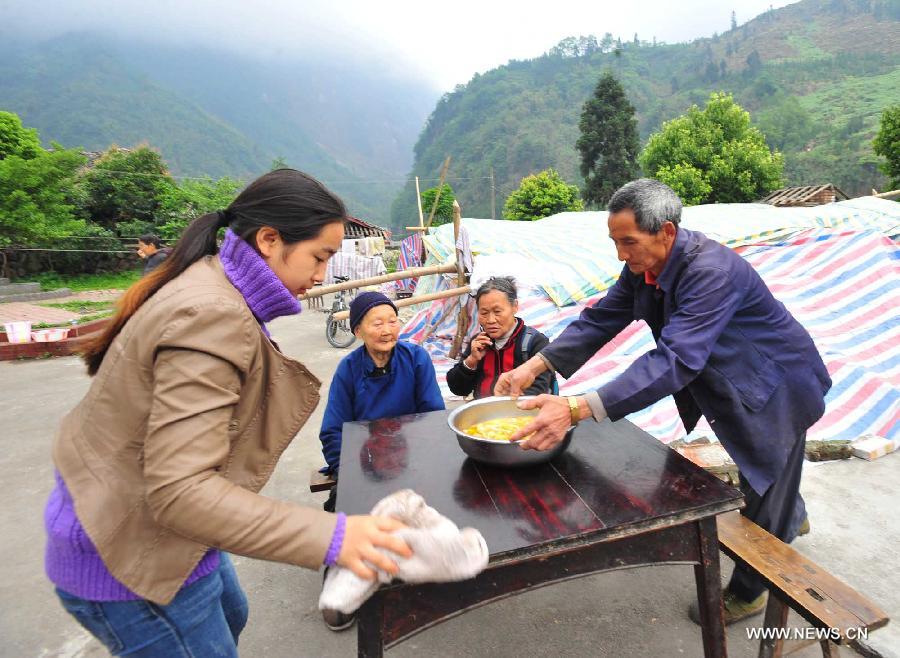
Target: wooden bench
x,y
320,481
796,582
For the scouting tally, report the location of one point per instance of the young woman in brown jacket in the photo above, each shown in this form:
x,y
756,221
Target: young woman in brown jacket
x,y
190,407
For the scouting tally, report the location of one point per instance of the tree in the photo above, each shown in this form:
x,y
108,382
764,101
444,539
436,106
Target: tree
x,y
444,211
788,126
754,63
541,195
609,141
36,204
713,155
607,42
733,21
887,144
126,186
279,163
182,204
15,139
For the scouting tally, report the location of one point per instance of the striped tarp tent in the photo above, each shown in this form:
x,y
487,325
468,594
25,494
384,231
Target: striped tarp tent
x,y
836,269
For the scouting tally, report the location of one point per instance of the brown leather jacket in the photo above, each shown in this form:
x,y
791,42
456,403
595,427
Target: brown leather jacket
x,y
182,426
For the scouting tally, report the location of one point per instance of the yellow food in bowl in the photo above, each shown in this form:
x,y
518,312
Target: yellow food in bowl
x,y
498,429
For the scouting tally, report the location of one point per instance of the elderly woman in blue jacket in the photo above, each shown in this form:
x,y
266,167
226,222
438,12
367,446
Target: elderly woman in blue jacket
x,y
384,377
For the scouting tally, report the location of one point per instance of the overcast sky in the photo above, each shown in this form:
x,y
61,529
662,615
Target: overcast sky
x,y
445,43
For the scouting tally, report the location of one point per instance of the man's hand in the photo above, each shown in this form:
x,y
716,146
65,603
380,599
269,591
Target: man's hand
x,y
552,422
514,382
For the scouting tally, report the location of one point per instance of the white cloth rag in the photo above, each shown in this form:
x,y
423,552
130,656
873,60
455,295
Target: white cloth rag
x,y
441,553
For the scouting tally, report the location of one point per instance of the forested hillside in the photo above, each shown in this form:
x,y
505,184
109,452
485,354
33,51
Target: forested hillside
x,y
815,76
211,113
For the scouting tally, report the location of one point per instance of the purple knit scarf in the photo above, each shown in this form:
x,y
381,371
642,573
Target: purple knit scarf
x,y
263,291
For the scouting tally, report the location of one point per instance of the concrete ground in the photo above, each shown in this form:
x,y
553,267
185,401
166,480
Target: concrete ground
x,y
638,612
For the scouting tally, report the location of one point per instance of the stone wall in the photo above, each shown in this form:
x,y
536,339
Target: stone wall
x,y
17,263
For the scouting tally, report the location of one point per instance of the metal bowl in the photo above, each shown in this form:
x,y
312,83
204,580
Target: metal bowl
x,y
498,453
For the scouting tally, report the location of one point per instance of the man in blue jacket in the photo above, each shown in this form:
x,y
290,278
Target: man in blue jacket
x,y
725,348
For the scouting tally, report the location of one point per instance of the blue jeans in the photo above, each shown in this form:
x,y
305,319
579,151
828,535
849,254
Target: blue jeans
x,y
204,619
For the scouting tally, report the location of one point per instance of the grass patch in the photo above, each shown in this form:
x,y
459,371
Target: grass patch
x,y
81,307
83,282
82,320
806,47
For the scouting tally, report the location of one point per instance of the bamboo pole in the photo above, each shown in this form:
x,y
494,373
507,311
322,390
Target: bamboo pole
x,y
443,294
437,195
411,273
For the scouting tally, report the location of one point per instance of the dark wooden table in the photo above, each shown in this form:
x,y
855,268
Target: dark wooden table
x,y
616,498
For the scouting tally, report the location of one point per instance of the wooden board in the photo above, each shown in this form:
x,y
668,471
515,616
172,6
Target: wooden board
x,y
823,600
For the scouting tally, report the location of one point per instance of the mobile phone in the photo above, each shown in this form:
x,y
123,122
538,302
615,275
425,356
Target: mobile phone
x,y
484,331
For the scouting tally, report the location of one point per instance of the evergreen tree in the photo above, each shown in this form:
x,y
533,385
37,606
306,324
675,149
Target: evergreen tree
x,y
609,141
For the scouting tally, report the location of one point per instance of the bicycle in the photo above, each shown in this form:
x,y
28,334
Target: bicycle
x,y
338,332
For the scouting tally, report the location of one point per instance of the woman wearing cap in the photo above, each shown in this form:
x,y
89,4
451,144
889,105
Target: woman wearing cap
x,y
504,343
382,378
190,407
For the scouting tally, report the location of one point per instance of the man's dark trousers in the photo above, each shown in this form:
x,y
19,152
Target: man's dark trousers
x,y
780,511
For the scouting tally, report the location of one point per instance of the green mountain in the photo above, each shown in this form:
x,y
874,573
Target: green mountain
x,y
212,113
814,75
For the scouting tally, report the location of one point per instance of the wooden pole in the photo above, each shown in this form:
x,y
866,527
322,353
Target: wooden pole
x,y
462,318
410,273
493,196
419,203
457,225
443,294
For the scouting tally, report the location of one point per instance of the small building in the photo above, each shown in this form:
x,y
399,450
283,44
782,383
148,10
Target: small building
x,y
355,228
806,195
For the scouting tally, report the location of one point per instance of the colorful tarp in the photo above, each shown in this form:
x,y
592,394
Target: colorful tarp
x,y
410,250
836,268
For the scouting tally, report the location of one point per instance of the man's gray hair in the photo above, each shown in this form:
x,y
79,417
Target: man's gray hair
x,y
652,202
